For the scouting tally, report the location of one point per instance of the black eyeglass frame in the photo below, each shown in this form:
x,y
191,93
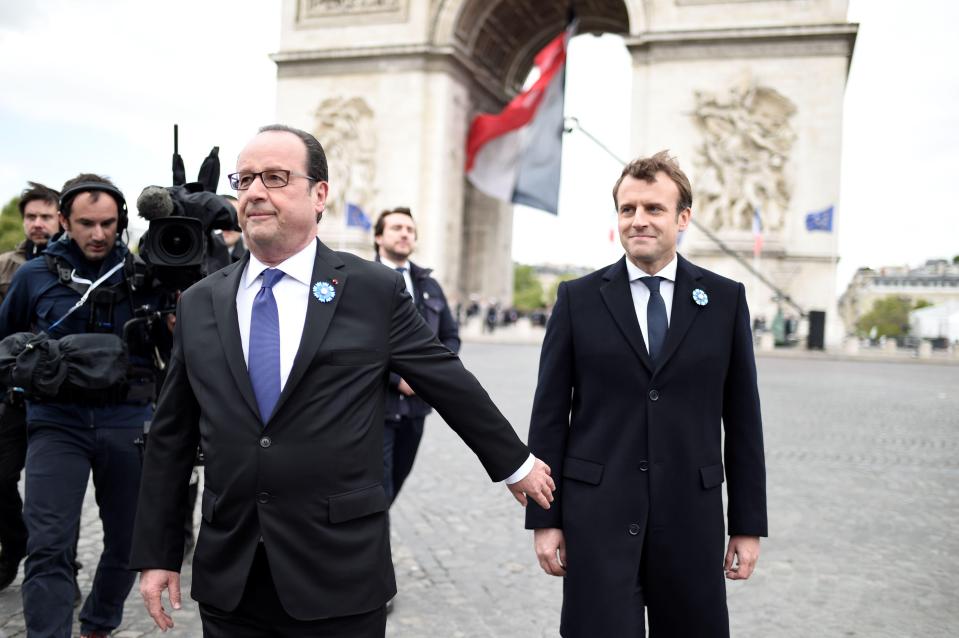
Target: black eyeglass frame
x,y
234,178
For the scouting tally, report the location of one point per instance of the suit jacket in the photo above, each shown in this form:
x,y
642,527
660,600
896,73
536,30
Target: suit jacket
x,y
636,451
431,303
308,481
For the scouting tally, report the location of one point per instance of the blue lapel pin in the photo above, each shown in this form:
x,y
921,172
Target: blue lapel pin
x,y
324,291
700,297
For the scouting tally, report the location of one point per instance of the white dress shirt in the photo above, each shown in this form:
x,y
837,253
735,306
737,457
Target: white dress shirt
x,y
292,294
641,293
407,277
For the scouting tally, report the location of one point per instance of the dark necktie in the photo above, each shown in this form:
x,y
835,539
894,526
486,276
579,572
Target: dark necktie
x,y
264,356
402,271
656,322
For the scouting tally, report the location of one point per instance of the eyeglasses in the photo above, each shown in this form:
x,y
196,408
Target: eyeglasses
x,y
273,178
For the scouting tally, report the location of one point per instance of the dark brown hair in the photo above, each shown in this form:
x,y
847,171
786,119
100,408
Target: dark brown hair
x,y
381,222
645,168
37,192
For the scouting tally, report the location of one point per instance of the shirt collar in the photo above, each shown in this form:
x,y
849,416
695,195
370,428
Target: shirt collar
x,y
394,266
299,266
668,271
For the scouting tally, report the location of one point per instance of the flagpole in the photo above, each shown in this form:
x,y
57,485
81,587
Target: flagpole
x,y
755,303
341,244
757,252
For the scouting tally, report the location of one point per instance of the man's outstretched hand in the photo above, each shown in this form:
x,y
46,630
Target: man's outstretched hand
x,y
538,485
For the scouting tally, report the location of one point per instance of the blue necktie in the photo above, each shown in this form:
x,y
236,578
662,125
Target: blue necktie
x,y
264,356
656,322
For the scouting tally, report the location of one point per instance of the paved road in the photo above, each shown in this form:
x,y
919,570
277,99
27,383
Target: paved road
x,y
863,462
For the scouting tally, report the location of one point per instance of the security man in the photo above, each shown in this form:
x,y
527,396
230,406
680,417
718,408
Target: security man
x,y
394,237
79,432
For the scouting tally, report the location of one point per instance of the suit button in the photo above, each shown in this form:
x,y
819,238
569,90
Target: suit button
x,y
654,395
263,498
633,529
265,442
643,466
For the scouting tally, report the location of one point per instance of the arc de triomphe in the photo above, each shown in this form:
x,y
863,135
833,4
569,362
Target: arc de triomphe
x,y
752,89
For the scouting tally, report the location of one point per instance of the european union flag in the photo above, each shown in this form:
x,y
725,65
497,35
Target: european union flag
x,y
356,217
820,220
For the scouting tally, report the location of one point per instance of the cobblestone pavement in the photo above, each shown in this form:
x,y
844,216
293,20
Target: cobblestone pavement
x,y
863,462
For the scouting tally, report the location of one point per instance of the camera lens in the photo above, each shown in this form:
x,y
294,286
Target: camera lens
x,y
175,242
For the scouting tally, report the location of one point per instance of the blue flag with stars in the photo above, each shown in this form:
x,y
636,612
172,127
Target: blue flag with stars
x,y
820,220
356,217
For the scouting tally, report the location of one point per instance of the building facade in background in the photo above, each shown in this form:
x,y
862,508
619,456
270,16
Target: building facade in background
x,y
936,282
748,94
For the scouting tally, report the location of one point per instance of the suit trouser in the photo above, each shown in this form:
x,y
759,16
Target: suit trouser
x,y
59,462
13,450
401,440
260,614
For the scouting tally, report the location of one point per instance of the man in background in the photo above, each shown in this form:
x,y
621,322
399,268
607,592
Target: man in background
x,y
233,238
39,207
394,238
81,431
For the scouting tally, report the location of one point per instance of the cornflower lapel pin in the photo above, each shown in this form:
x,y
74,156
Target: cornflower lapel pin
x,y
324,291
700,297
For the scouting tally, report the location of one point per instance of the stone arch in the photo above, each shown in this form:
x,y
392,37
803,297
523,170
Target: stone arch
x,y
499,38
423,68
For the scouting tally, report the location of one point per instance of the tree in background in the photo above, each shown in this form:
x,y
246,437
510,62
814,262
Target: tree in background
x,y
11,226
889,316
527,289
554,288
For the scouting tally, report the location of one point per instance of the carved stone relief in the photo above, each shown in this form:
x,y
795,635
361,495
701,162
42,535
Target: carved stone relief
x,y
321,8
344,126
747,139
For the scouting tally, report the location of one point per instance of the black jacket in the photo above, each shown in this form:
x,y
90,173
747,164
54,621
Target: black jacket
x,y
433,307
35,302
308,482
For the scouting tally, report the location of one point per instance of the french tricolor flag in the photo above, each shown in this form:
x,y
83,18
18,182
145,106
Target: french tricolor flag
x,y
515,155
757,234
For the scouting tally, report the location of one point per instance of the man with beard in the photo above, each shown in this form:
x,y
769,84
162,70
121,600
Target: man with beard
x,y
39,207
394,237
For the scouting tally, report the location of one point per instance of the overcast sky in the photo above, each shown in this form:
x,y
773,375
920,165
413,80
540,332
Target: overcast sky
x,y
97,85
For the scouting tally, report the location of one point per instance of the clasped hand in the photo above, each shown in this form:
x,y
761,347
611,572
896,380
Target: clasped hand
x,y
538,485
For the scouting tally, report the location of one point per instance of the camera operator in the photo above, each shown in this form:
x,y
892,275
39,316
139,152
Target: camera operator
x,y
39,208
79,431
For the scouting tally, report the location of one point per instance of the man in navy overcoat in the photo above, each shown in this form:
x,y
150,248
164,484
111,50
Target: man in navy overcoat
x,y
645,365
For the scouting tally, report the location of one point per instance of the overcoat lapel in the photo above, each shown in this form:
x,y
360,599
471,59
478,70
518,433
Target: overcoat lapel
x,y
685,310
224,309
619,301
326,267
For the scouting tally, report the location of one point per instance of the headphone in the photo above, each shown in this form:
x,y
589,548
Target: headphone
x,y
67,197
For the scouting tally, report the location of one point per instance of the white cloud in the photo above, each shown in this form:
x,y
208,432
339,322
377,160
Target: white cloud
x,y
128,71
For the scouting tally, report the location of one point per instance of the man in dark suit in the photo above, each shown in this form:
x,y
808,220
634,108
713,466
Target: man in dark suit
x,y
279,370
641,362
394,237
